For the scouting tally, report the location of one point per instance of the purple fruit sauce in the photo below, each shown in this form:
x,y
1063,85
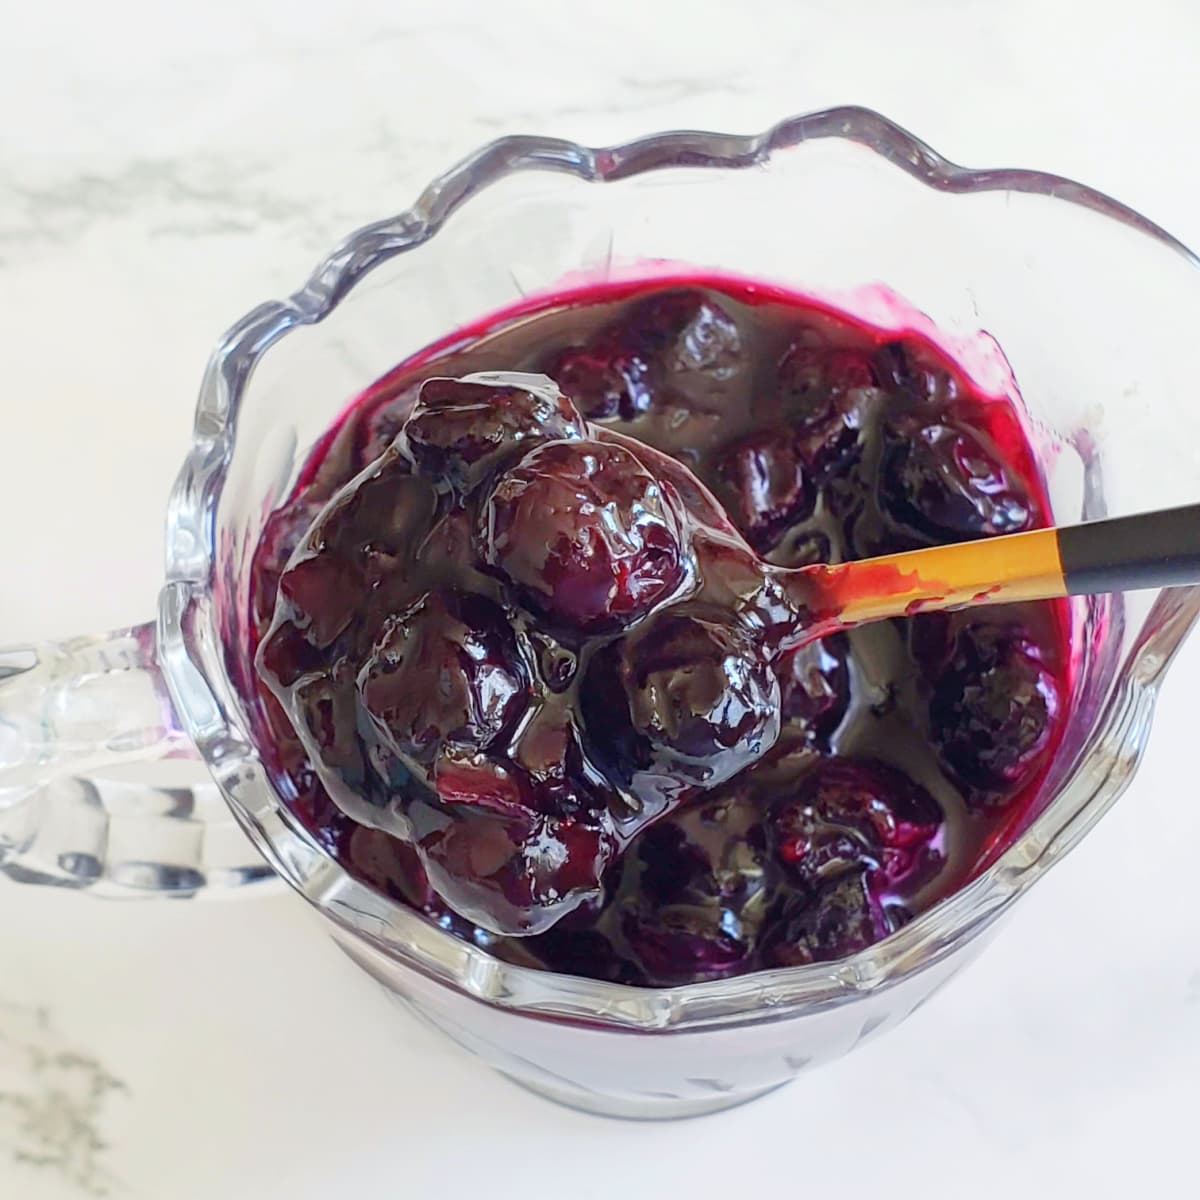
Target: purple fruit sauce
x,y
489,622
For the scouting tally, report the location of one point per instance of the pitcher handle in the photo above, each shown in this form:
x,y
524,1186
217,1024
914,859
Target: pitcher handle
x,y
71,710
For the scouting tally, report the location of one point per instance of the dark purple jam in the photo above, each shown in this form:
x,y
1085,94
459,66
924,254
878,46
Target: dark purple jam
x,y
521,665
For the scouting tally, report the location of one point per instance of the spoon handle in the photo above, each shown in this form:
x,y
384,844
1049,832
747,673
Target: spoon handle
x,y
1123,554
1148,550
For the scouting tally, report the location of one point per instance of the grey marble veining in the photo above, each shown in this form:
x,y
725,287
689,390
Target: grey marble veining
x,y
55,1099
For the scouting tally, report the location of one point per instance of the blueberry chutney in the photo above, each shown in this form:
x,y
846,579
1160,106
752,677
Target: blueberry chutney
x,y
514,655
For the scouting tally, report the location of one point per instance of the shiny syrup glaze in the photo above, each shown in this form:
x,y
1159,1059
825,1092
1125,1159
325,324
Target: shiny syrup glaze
x,y
903,761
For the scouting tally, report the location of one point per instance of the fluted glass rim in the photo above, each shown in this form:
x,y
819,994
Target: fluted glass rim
x,y
207,704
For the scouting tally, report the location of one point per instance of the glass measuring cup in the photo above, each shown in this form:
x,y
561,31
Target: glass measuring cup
x,y
832,203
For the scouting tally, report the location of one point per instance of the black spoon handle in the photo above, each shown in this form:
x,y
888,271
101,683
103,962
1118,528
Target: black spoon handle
x,y
1147,550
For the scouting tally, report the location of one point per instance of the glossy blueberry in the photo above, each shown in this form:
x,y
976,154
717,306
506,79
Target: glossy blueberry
x,y
941,483
445,672
383,421
460,427
993,709
603,379
814,685
845,814
694,891
504,865
687,335
687,703
838,919
765,486
585,533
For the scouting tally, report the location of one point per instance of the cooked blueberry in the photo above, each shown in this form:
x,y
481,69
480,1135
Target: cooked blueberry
x,y
694,891
393,867
445,672
311,802
587,952
814,685
846,814
765,486
459,426
282,533
993,710
549,752
941,483
322,708
587,535
383,419
848,371
800,382
369,532
930,640
689,335
501,864
686,703
603,379
821,392
910,373
839,919
285,655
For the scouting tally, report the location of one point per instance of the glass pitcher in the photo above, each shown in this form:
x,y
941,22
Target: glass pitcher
x,y
1091,303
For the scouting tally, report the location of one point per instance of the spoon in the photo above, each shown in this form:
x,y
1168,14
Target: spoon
x,y
1147,550
676,692
720,715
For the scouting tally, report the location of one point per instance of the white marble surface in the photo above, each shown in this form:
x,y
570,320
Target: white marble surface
x,y
161,173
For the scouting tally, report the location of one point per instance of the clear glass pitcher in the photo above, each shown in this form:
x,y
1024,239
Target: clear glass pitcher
x,y
1094,307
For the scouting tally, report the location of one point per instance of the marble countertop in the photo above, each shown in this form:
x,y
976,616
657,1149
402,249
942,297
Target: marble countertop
x,y
160,174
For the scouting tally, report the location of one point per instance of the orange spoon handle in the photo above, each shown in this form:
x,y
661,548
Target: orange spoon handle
x,y
1156,549
1021,566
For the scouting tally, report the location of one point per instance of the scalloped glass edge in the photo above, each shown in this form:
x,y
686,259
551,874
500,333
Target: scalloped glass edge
x,y
191,654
